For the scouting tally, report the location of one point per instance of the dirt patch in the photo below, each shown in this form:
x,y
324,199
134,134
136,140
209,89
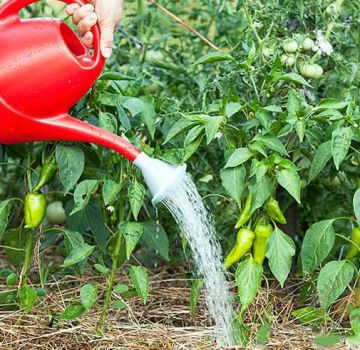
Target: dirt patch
x,y
164,323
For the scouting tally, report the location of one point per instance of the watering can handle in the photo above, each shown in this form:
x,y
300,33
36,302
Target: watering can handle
x,y
10,9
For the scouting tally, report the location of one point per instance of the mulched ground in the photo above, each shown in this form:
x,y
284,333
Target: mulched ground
x,y
164,323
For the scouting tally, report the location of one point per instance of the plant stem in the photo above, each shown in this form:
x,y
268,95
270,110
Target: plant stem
x,y
28,255
140,11
251,23
110,283
114,267
28,171
330,26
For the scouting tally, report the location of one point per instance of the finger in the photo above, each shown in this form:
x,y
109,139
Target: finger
x,y
70,9
107,38
88,40
82,12
87,23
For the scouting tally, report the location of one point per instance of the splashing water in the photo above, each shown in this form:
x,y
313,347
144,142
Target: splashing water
x,y
185,204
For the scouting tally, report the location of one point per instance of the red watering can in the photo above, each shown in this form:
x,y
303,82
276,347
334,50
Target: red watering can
x,y
44,70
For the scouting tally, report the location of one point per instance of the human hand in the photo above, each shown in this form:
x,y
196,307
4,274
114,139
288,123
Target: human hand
x,y
107,12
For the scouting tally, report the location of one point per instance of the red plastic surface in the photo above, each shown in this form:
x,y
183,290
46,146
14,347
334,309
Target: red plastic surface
x,y
44,70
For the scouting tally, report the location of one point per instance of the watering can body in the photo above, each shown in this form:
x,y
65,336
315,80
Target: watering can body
x,y
44,70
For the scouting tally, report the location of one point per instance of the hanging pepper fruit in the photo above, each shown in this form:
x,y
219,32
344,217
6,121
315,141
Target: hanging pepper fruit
x,y
273,210
34,210
355,237
47,173
245,215
244,241
263,231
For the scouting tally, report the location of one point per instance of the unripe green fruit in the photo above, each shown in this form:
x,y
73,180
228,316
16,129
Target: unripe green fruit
x,y
311,70
290,46
290,61
55,213
307,44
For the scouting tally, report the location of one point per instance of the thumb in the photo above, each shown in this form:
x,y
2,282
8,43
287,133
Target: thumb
x,y
107,38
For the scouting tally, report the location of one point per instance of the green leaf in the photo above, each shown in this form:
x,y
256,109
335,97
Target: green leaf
x,y
195,291
264,118
140,279
233,180
193,134
11,279
108,122
72,312
179,127
332,281
132,232
101,268
232,108
79,250
356,203
134,105
110,190
212,127
119,304
261,191
121,288
258,168
155,237
355,320
321,157
213,57
88,295
327,341
91,216
274,143
136,195
239,332
331,103
27,297
238,157
293,105
115,76
294,78
300,127
317,244
248,277
191,148
263,334
311,315
4,215
290,180
70,161
280,251
83,193
340,143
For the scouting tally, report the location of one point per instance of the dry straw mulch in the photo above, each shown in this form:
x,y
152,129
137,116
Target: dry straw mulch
x,y
164,323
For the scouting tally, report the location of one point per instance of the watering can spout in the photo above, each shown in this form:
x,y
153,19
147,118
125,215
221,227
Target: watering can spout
x,y
158,175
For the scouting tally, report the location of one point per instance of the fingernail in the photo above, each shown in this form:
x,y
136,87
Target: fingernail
x,y
107,51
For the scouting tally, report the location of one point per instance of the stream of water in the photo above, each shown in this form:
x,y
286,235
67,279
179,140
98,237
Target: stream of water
x,y
188,209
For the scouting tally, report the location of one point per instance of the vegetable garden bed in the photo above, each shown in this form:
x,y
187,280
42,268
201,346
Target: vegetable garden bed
x,y
164,323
